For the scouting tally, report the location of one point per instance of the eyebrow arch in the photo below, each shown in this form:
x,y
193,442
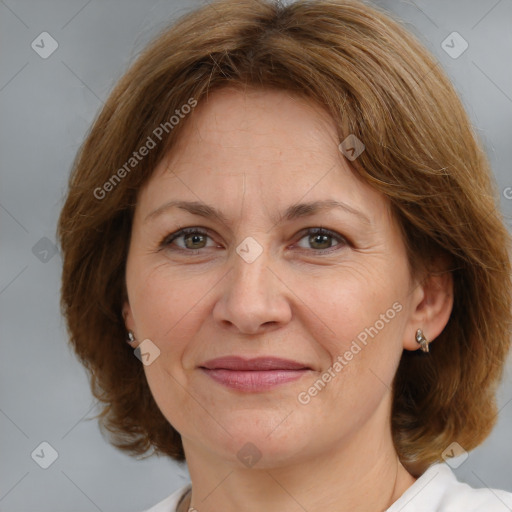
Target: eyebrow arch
x,y
292,212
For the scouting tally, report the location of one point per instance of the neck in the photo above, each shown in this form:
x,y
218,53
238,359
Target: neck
x,y
359,474
403,480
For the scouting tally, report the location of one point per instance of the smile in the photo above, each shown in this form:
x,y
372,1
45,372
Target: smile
x,y
253,375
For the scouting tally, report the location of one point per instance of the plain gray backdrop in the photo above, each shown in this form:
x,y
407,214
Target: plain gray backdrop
x,y
47,104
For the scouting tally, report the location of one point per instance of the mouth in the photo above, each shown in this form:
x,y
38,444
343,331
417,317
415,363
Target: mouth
x,y
253,375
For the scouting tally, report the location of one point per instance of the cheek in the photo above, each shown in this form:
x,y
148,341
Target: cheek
x,y
359,323
165,303
348,303
167,309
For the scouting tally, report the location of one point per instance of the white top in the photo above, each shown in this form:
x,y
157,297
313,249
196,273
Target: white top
x,y
437,490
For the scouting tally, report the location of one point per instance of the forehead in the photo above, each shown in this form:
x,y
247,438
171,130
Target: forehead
x,y
267,147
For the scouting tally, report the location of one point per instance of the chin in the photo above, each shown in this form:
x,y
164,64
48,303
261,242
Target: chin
x,y
260,442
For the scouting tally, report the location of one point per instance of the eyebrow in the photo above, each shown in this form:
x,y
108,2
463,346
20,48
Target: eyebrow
x,y
291,213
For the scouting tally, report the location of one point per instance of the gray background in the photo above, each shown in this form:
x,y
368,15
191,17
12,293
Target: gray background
x,y
46,108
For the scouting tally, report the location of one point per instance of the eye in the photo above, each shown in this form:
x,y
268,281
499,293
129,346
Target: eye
x,y
321,239
192,238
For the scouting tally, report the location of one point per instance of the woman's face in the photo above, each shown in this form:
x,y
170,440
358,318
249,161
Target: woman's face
x,y
261,282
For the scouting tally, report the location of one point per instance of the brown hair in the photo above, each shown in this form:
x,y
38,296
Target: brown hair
x,y
378,83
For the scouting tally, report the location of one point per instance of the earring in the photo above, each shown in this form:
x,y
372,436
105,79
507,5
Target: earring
x,y
420,338
131,337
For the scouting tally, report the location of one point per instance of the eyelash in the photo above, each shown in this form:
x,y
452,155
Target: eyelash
x,y
168,239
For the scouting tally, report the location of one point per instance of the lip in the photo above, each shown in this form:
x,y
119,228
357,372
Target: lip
x,y
253,375
254,364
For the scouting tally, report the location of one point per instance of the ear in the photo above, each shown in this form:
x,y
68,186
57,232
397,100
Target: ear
x,y
432,305
128,320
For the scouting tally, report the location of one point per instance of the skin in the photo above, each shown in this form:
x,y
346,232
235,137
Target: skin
x,y
252,154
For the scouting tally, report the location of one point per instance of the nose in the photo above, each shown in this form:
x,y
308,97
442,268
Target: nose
x,y
253,297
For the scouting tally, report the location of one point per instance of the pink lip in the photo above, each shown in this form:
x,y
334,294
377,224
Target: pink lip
x,y
259,374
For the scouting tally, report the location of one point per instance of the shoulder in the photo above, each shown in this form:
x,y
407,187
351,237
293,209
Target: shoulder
x,y
170,503
438,490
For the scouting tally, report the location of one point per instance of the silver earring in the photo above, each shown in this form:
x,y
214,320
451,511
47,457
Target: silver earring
x,y
131,337
420,338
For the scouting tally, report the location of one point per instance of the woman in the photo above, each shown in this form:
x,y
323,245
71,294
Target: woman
x,y
285,213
